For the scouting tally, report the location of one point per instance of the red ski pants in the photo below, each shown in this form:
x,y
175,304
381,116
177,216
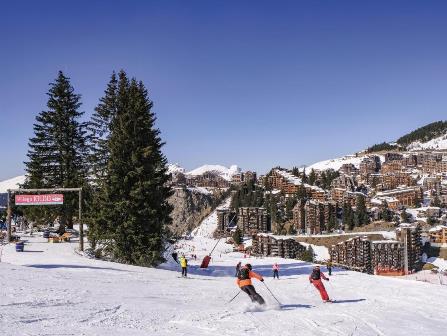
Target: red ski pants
x,y
319,285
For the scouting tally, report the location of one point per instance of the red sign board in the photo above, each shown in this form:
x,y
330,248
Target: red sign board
x,y
47,199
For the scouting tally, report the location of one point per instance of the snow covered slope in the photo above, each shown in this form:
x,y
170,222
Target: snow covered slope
x,y
436,143
224,172
52,290
12,183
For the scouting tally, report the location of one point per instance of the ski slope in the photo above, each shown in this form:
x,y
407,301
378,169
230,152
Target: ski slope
x,y
52,290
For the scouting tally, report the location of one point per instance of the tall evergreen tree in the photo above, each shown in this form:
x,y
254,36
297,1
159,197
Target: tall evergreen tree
x,y
312,177
135,205
99,126
362,214
58,151
100,129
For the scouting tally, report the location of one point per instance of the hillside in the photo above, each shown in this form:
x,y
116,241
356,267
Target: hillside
x,y
431,136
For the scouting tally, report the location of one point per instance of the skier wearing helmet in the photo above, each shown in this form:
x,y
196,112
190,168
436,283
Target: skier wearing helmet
x,y
315,279
245,284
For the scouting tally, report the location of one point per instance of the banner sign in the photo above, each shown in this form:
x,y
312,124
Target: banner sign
x,y
47,199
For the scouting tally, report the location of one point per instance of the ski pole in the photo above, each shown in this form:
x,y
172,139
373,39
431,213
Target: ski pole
x,y
234,296
271,293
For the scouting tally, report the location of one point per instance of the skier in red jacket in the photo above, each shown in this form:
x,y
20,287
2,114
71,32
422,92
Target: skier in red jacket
x,y
315,279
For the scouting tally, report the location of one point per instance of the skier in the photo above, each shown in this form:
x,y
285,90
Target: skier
x,y
244,282
275,271
184,265
238,268
315,279
329,267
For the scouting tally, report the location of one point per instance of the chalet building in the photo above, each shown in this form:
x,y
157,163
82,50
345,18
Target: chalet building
x,y
431,183
226,219
208,180
253,220
410,237
387,257
299,216
369,165
392,167
384,257
410,161
243,177
312,217
392,180
391,202
354,253
393,156
345,182
375,180
276,246
348,169
337,194
406,196
290,184
438,236
351,198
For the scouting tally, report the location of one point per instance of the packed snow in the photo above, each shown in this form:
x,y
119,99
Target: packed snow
x,y
336,164
52,290
12,183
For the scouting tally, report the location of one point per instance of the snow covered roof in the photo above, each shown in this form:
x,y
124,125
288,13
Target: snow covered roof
x,y
296,180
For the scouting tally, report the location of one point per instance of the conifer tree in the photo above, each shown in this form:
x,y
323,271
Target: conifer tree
x,y
99,126
312,177
362,214
135,209
57,155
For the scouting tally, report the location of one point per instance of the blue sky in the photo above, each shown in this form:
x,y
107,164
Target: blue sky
x,y
253,83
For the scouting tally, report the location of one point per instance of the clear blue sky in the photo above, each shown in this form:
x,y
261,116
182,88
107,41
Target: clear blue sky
x,y
255,83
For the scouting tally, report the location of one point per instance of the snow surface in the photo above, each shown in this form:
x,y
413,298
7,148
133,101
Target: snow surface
x,y
12,183
52,290
336,164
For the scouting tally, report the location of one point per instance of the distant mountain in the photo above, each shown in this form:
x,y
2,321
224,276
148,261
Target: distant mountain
x,y
12,183
224,172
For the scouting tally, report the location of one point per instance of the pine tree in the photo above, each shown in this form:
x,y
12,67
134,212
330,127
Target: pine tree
x,y
361,212
58,151
135,209
99,126
312,177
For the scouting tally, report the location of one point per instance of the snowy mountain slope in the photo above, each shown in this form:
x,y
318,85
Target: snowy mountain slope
x,y
336,163
52,290
174,168
224,172
438,143
12,183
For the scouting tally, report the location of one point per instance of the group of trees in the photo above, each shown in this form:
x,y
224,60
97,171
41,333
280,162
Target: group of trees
x,y
116,157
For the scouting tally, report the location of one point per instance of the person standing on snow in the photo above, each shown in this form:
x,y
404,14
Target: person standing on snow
x,y
315,279
329,267
244,283
184,265
275,269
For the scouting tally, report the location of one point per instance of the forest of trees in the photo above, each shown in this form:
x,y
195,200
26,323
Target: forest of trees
x,y
424,133
115,157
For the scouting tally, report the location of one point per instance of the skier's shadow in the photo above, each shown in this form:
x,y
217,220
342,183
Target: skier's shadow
x,y
349,301
295,306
